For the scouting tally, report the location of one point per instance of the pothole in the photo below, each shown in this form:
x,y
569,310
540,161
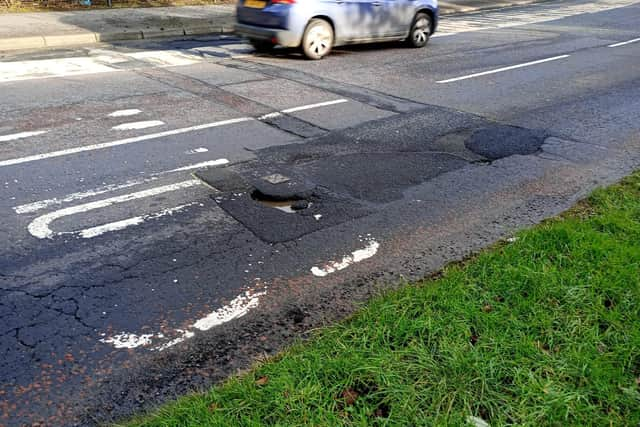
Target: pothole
x,y
287,206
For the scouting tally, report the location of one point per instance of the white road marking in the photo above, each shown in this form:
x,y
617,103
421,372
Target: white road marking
x,y
270,116
531,14
125,113
138,125
356,256
624,43
42,204
39,227
499,70
217,162
311,106
76,150
237,307
89,233
21,135
125,141
197,150
126,340
47,68
165,58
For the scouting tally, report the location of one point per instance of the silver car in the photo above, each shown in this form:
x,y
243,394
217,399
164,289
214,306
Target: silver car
x,y
318,25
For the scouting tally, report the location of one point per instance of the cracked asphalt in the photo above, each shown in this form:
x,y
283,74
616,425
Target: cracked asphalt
x,y
165,224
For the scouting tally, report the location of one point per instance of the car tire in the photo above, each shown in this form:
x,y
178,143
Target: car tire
x,y
421,30
317,40
262,46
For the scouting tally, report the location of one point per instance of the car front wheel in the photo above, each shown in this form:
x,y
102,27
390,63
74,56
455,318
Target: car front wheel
x,y
317,40
420,30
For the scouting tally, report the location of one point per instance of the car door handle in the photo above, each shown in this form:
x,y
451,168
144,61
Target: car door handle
x,y
339,1
376,3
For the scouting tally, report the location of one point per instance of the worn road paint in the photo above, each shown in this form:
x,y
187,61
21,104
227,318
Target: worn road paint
x,y
624,43
197,150
89,233
39,227
119,142
217,162
237,307
21,135
125,113
47,68
356,256
139,125
499,70
126,340
141,138
311,106
42,204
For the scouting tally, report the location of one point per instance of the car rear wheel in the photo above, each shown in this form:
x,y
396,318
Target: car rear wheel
x,y
421,29
317,40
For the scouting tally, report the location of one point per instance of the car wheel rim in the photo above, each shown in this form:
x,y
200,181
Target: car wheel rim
x,y
421,31
319,40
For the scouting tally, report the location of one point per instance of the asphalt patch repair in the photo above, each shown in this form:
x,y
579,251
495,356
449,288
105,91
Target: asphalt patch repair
x,y
293,190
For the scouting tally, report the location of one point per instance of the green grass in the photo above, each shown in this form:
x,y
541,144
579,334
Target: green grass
x,y
542,331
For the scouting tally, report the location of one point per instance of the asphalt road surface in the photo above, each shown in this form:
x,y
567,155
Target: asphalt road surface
x,y
172,211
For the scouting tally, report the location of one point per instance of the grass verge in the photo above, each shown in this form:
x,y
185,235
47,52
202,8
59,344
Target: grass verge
x,y
541,331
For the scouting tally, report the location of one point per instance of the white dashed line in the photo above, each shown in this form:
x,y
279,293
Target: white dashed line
x,y
218,162
132,140
624,43
119,142
138,125
197,150
21,135
499,70
39,227
125,113
356,256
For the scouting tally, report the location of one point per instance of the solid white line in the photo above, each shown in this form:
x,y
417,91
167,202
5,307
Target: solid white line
x,y
39,227
125,113
499,70
310,106
21,135
216,162
624,43
89,233
138,125
126,141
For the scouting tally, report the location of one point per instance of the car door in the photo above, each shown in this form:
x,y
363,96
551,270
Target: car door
x,y
361,19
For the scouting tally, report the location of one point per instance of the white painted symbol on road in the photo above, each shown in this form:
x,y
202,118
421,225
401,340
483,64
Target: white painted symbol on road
x,y
356,256
39,227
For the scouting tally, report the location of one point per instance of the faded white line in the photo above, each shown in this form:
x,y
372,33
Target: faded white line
x,y
21,135
39,227
197,150
499,70
89,233
42,204
356,256
126,340
125,141
237,307
138,125
125,113
217,162
624,43
311,106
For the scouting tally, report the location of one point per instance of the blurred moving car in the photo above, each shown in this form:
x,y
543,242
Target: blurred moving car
x,y
318,25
